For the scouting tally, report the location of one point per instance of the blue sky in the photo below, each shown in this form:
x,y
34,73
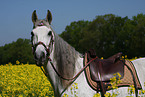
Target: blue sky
x,y
15,15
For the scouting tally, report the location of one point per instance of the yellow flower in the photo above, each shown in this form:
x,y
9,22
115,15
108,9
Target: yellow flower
x,y
19,80
131,89
97,95
17,62
107,94
119,81
125,56
143,91
71,88
73,85
114,95
113,79
109,87
8,88
65,95
10,64
76,83
140,92
20,95
119,74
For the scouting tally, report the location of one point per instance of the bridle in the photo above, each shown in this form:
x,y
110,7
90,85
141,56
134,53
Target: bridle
x,y
48,48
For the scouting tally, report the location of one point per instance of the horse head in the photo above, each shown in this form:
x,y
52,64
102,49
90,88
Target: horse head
x,y
41,38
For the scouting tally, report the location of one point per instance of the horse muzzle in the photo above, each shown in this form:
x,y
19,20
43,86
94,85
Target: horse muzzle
x,y
40,55
41,51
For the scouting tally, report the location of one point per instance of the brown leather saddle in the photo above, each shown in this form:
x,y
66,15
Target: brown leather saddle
x,y
102,70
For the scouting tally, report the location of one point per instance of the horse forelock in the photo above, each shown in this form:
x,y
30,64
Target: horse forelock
x,y
41,23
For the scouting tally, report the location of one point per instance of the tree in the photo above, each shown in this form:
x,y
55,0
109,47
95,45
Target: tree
x,y
19,50
137,40
109,34
102,35
73,33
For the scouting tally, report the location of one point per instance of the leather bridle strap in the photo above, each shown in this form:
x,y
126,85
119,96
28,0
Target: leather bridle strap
x,y
75,75
47,48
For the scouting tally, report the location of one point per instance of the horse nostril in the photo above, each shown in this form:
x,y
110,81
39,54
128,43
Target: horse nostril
x,y
42,55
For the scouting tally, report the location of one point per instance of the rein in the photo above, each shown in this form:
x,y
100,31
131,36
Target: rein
x,y
64,77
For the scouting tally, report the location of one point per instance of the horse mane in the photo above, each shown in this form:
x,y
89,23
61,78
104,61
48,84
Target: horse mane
x,y
65,56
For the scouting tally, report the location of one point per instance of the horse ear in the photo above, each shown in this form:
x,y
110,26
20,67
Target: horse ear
x,y
34,16
49,17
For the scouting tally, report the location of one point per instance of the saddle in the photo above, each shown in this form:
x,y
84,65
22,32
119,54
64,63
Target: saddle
x,y
100,71
103,69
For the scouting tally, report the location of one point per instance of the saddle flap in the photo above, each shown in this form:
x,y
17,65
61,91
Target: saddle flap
x,y
103,69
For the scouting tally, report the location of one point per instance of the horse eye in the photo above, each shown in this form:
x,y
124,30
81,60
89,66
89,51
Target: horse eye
x,y
32,34
50,33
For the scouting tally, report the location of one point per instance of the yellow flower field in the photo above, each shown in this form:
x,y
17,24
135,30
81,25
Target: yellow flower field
x,y
23,80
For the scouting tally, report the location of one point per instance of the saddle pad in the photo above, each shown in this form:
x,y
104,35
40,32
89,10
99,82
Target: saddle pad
x,y
125,81
128,79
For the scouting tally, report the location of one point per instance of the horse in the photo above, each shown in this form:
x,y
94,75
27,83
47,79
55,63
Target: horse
x,y
63,65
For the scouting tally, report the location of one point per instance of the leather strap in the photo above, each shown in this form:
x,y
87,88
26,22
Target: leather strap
x,y
69,78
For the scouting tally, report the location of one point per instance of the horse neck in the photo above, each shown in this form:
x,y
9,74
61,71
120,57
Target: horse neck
x,y
65,59
65,56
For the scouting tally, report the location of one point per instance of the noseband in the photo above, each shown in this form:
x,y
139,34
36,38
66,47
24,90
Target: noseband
x,y
48,48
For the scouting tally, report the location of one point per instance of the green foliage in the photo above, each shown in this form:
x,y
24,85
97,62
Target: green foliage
x,y
19,50
74,33
103,34
108,34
